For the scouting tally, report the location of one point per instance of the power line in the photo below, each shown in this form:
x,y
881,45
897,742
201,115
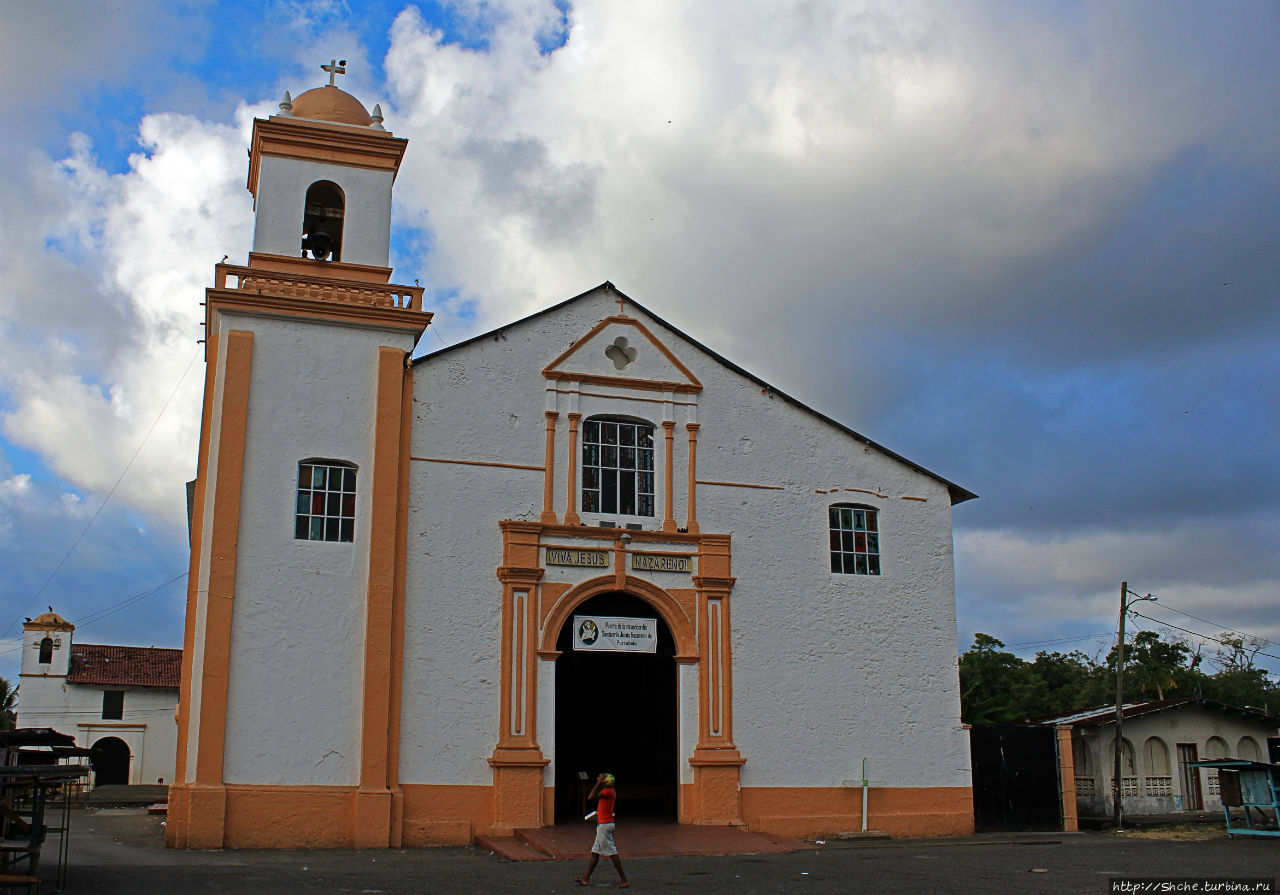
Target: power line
x,y
105,500
119,606
1196,633
1059,640
1220,627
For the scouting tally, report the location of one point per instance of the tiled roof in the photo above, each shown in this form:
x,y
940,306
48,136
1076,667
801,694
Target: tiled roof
x,y
124,666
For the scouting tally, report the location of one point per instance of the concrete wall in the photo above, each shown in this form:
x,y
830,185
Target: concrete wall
x,y
295,672
282,190
828,669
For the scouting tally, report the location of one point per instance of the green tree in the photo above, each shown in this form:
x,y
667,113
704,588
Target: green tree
x,y
989,678
8,705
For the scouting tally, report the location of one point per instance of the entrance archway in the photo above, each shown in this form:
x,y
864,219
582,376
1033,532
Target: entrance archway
x,y
616,712
110,761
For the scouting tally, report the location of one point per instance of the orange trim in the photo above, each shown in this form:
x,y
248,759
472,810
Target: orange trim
x,y
692,524
652,385
401,319
479,463
373,801
741,485
200,819
1067,780
331,270
691,385
397,609
322,142
571,516
223,548
825,812
445,815
673,612
320,281
548,482
621,397
915,498
193,570
669,436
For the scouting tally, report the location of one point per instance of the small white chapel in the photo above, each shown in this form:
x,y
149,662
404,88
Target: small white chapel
x,y
430,597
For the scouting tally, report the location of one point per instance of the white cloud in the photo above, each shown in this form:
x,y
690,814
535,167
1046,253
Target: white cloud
x,y
95,364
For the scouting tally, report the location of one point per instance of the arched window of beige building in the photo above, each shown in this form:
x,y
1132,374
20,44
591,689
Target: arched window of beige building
x,y
1248,749
1216,747
1155,757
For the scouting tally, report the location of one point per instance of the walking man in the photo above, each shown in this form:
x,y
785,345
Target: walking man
x,y
604,791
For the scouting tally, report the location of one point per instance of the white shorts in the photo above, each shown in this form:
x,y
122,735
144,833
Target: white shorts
x,y
604,840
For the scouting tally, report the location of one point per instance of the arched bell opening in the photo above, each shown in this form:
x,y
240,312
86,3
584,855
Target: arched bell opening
x,y
322,219
616,712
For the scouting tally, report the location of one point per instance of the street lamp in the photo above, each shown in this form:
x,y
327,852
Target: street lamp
x,y
1117,813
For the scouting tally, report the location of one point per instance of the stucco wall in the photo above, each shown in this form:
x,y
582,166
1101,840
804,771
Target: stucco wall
x,y
282,190
295,673
827,668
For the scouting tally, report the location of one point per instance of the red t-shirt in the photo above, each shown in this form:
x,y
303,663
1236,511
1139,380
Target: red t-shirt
x,y
604,808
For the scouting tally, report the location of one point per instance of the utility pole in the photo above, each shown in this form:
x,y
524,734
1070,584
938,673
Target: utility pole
x,y
1117,812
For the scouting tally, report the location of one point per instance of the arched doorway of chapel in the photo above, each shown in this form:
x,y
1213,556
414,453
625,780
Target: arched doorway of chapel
x,y
616,712
109,758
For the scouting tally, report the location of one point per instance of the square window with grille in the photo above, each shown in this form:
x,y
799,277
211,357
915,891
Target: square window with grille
x,y
326,509
855,540
617,467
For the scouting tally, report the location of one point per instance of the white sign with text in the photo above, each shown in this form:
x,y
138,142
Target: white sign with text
x,y
610,634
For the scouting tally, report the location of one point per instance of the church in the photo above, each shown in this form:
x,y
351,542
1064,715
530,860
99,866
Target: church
x,y
431,596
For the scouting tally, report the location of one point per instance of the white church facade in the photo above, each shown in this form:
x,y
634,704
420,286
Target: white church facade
x,y
118,701
428,597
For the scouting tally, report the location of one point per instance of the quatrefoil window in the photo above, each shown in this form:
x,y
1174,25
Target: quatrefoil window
x,y
620,353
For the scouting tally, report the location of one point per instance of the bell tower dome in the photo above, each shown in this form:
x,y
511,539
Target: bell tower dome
x,y
321,173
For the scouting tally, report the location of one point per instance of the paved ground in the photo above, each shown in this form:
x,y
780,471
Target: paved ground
x,y
117,851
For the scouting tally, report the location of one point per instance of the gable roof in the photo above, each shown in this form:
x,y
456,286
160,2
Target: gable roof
x,y
958,493
124,666
1107,715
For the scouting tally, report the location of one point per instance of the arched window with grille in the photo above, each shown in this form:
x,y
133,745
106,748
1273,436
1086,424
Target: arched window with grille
x,y
617,466
46,650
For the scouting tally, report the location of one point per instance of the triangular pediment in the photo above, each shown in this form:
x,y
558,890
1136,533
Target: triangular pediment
x,y
623,352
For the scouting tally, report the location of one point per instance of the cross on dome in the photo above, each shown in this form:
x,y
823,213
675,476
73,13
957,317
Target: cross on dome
x,y
335,67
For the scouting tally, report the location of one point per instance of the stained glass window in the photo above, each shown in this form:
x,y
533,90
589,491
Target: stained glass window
x,y
326,509
854,540
617,467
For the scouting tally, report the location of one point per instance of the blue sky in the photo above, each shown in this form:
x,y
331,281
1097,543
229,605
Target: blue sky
x,y
1033,247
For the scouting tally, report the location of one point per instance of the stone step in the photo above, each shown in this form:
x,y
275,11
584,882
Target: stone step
x,y
510,848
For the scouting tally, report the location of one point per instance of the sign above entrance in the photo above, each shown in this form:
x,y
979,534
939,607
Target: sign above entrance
x,y
559,556
609,634
662,562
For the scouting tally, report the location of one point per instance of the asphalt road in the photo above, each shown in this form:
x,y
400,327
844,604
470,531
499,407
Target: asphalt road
x,y
118,852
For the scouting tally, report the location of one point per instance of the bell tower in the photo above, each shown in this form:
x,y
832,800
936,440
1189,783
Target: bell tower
x,y
296,538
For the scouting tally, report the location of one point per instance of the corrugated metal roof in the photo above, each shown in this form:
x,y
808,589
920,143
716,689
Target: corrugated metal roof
x,y
124,666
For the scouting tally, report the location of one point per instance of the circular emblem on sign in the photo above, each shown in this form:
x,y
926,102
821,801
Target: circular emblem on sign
x,y
588,633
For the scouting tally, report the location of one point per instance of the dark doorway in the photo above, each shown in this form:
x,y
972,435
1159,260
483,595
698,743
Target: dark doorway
x,y
616,712
110,761
1015,778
